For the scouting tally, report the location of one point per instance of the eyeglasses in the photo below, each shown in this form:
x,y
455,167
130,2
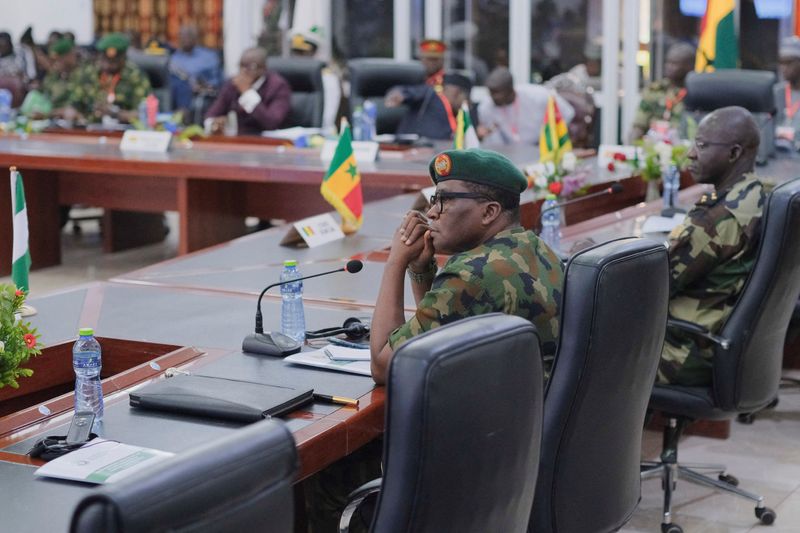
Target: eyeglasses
x,y
441,196
702,145
249,66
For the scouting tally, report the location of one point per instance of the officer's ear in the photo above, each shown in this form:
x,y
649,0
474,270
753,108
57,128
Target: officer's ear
x,y
735,153
491,210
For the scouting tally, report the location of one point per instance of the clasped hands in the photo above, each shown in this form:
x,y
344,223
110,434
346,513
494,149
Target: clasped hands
x,y
412,245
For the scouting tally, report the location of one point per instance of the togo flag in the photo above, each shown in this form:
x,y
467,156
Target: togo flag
x,y
465,131
718,47
341,186
20,256
554,138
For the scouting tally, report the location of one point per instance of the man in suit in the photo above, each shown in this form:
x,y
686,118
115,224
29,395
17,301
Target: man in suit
x,y
260,98
713,251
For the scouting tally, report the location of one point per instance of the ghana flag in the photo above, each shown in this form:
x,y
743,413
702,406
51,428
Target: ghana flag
x,y
718,47
341,186
554,137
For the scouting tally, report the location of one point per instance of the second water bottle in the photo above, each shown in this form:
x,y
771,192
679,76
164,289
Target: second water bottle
x,y
293,321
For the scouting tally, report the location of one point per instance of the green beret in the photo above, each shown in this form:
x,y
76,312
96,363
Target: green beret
x,y
113,44
61,47
478,166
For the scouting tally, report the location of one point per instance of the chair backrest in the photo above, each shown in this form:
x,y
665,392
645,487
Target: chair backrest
x,y
612,329
372,77
305,78
463,422
237,483
746,376
156,67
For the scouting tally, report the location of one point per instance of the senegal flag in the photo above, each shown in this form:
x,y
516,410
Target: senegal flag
x,y
554,137
341,186
466,137
718,46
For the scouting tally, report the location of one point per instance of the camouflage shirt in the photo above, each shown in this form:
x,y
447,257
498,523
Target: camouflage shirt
x,y
87,89
56,89
653,105
711,255
514,272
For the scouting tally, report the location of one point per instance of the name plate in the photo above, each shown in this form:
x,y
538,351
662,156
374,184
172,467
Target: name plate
x,y
364,151
145,141
314,231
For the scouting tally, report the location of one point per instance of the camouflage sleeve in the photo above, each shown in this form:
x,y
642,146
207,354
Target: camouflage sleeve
x,y
79,85
702,243
453,296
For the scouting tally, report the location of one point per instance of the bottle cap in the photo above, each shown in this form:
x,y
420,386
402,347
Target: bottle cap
x,y
551,196
290,263
85,332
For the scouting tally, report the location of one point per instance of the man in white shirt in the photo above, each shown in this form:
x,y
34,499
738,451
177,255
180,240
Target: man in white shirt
x,y
514,114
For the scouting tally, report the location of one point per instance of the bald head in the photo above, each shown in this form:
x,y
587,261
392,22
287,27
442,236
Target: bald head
x,y
733,124
679,62
501,86
725,146
187,37
253,64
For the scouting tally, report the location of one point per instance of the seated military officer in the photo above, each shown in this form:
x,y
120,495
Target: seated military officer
x,y
713,251
495,264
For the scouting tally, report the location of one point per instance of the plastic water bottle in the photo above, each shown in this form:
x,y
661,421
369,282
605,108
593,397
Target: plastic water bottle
x,y
87,362
672,182
551,222
293,320
370,119
358,124
5,106
142,109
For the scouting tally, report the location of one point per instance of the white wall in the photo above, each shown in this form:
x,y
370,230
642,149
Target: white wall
x,y
47,15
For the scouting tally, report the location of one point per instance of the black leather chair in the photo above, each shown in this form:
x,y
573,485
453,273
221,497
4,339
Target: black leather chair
x,y
156,67
747,358
612,328
372,77
242,482
463,421
305,78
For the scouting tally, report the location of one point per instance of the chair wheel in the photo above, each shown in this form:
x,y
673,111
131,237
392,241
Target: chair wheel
x,y
671,528
746,418
729,479
765,514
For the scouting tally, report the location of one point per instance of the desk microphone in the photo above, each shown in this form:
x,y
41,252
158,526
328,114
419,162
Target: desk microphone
x,y
273,342
613,189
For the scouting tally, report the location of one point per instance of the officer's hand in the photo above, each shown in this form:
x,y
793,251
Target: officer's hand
x,y
410,243
218,124
393,98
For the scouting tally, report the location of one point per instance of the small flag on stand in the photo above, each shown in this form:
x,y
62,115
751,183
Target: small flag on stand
x,y
718,46
20,256
554,138
466,137
341,186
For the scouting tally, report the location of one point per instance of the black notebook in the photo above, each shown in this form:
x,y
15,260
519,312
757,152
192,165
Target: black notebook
x,y
229,399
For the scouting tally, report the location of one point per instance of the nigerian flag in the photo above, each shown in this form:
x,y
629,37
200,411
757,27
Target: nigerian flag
x,y
20,256
554,137
466,137
718,47
341,186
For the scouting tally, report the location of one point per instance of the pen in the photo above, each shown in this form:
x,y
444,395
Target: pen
x,y
339,400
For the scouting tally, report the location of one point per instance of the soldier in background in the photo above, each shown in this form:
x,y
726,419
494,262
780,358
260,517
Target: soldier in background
x,y
495,265
431,54
713,251
662,101
787,92
55,85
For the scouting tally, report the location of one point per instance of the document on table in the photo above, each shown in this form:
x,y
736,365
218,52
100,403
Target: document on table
x,y
102,461
319,359
344,353
658,224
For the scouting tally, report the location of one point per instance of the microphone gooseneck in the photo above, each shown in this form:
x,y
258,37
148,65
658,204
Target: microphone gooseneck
x,y
352,267
614,188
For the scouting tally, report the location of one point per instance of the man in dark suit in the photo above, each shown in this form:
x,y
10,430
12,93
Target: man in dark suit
x,y
260,98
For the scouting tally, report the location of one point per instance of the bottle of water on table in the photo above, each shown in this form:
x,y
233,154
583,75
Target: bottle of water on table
x,y
551,222
293,321
87,362
672,182
370,119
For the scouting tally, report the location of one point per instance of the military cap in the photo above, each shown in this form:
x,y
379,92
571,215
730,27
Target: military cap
x,y
61,47
432,48
790,48
478,166
306,41
113,44
459,80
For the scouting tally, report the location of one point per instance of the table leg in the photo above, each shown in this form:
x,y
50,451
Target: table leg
x,y
210,212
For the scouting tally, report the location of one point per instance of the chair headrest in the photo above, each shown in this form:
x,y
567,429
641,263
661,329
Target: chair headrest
x,y
751,89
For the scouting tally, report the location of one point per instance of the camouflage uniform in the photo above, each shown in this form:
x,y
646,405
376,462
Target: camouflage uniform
x,y
86,92
711,255
653,105
781,117
56,89
514,273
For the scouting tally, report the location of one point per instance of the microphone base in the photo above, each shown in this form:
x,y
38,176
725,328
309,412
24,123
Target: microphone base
x,y
670,211
271,343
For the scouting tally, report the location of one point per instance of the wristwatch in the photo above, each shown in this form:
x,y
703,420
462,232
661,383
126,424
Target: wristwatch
x,y
427,275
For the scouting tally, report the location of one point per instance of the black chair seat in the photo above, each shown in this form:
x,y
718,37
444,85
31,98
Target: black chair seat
x,y
689,402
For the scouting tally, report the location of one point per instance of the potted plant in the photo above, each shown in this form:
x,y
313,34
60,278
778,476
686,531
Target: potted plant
x,y
19,341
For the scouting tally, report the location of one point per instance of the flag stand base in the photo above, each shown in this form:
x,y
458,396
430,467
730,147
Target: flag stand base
x,y
27,310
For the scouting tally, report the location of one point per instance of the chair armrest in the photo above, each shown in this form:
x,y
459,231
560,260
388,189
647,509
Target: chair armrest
x,y
355,499
698,330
